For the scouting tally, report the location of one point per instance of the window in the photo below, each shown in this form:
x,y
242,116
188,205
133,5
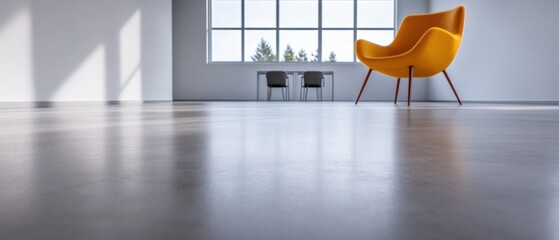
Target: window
x,y
296,30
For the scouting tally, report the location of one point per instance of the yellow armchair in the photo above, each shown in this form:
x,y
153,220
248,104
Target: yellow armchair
x,y
425,45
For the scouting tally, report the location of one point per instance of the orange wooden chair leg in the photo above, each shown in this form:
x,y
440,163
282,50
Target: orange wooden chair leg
x,y
397,90
452,86
410,86
363,87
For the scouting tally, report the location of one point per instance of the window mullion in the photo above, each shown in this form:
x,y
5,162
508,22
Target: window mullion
x,y
242,30
209,29
354,27
277,31
395,16
319,31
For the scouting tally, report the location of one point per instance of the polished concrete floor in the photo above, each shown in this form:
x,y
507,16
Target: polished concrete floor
x,y
247,170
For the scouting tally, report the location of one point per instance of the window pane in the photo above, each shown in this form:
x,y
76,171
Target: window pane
x,y
226,13
375,13
298,13
303,44
381,37
340,43
337,13
226,45
260,46
260,13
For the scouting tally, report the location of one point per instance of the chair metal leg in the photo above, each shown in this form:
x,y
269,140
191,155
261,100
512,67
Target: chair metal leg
x,y
306,93
363,87
317,96
410,85
452,86
269,94
283,94
397,90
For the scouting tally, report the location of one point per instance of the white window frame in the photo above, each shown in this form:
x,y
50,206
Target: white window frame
x,y
355,29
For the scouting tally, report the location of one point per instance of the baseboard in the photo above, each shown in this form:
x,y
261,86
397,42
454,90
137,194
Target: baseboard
x,y
544,102
217,100
547,102
48,104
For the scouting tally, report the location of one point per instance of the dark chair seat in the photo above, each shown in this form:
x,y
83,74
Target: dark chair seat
x,y
312,79
278,79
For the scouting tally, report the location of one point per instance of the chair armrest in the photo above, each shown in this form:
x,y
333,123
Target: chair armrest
x,y
436,45
366,49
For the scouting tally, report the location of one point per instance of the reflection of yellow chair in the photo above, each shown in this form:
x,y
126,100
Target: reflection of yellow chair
x,y
425,45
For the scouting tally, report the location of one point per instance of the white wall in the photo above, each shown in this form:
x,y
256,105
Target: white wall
x,y
194,79
509,52
78,50
83,50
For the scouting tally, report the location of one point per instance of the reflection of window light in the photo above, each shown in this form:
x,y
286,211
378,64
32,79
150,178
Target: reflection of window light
x,y
295,30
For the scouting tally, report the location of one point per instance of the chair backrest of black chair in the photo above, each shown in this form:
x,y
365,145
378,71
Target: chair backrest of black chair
x,y
313,79
276,79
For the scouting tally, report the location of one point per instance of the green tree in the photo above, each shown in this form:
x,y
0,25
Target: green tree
x,y
302,56
332,57
264,52
288,54
314,56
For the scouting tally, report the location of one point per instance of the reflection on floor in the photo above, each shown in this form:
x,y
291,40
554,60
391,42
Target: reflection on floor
x,y
247,170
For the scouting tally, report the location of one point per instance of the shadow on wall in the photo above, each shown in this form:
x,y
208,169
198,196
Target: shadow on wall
x,y
76,50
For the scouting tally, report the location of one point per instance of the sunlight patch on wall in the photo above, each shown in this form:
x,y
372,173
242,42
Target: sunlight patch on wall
x,y
16,74
87,81
130,59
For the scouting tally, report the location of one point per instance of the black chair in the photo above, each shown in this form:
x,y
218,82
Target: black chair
x,y
278,79
314,80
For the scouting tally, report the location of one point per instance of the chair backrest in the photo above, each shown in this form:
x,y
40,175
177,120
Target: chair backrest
x,y
413,27
276,79
313,79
